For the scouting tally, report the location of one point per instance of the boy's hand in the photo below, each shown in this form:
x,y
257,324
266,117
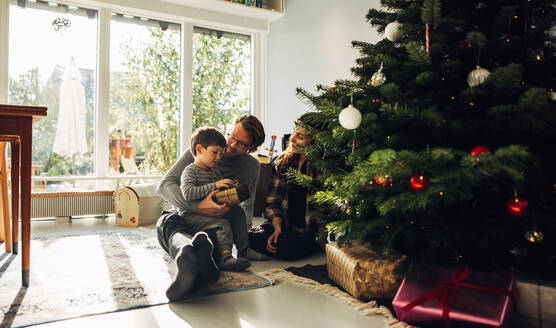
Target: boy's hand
x,y
224,183
208,207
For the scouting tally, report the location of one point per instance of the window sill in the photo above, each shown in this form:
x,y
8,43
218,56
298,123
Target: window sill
x,y
106,183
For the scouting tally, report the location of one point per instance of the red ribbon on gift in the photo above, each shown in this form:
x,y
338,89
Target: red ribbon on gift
x,y
448,291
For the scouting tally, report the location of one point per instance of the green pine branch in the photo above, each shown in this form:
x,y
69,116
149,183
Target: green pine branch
x,y
417,53
430,11
300,179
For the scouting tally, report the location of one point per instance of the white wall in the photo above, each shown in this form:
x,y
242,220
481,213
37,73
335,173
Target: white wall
x,y
311,44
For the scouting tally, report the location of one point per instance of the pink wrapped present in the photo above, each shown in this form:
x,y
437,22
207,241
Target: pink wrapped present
x,y
457,298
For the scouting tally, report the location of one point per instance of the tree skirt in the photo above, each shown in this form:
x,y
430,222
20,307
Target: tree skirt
x,y
80,275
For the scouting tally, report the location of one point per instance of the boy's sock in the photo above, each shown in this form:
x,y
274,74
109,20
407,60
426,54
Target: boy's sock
x,y
252,255
208,270
229,263
184,281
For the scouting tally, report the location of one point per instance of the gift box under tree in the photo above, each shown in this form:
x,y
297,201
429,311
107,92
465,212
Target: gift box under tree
x,y
364,273
457,298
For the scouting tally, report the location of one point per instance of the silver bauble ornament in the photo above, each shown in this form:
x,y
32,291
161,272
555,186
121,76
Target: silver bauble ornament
x,y
477,76
350,117
393,31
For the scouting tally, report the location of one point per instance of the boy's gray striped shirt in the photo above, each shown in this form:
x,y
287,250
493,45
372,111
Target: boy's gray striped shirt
x,y
196,183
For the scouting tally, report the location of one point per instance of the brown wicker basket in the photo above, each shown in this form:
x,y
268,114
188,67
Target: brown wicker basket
x,y
364,273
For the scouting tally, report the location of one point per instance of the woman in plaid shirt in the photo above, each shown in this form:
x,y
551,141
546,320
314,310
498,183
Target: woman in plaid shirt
x,y
285,233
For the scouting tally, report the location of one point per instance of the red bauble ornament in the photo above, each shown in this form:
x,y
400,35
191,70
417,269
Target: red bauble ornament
x,y
383,181
518,206
418,182
480,150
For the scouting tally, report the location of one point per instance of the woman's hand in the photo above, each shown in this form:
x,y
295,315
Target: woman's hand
x,y
273,239
224,183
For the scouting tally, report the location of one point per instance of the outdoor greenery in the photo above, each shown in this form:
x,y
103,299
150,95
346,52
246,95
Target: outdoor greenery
x,y
28,89
145,100
221,67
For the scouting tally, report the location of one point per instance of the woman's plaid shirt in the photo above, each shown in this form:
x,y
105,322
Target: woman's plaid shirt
x,y
277,200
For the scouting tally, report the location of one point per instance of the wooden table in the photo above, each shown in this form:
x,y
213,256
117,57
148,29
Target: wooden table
x,y
16,123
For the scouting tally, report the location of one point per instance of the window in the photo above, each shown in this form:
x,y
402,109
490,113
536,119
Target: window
x,y
144,93
221,77
58,70
143,105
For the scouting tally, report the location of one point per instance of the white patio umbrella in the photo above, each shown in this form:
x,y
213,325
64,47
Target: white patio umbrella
x,y
71,136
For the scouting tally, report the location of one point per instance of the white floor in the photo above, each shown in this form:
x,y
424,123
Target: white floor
x,y
283,305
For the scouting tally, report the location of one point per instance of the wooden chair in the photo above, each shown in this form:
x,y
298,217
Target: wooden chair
x,y
5,229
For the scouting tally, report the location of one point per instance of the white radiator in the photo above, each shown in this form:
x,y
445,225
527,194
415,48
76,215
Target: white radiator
x,y
71,204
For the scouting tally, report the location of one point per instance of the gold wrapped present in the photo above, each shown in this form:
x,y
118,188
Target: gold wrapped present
x,y
364,273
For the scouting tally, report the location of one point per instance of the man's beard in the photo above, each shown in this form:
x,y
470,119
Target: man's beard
x,y
229,152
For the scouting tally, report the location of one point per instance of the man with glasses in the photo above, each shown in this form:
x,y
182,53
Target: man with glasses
x,y
173,231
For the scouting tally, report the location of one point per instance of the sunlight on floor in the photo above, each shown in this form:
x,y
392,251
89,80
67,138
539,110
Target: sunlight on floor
x,y
244,324
262,307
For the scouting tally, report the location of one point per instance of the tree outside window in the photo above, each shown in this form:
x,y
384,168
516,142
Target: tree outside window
x,y
145,98
145,101
221,78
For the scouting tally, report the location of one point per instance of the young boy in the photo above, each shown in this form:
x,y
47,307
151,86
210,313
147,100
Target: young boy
x,y
198,180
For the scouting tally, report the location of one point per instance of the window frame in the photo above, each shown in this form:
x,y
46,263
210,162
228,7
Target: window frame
x,y
165,11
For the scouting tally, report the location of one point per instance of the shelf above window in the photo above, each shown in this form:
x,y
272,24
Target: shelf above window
x,y
275,8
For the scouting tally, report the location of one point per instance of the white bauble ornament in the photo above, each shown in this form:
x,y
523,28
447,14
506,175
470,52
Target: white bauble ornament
x,y
378,78
393,31
350,117
477,76
552,95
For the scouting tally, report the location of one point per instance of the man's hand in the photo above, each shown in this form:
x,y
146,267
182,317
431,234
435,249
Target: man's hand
x,y
208,207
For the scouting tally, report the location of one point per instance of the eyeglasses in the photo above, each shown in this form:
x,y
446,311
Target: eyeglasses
x,y
240,144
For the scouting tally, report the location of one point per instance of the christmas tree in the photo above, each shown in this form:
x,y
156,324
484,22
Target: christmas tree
x,y
443,145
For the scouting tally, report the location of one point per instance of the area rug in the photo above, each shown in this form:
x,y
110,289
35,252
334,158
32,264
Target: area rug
x,y
370,308
99,272
319,273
